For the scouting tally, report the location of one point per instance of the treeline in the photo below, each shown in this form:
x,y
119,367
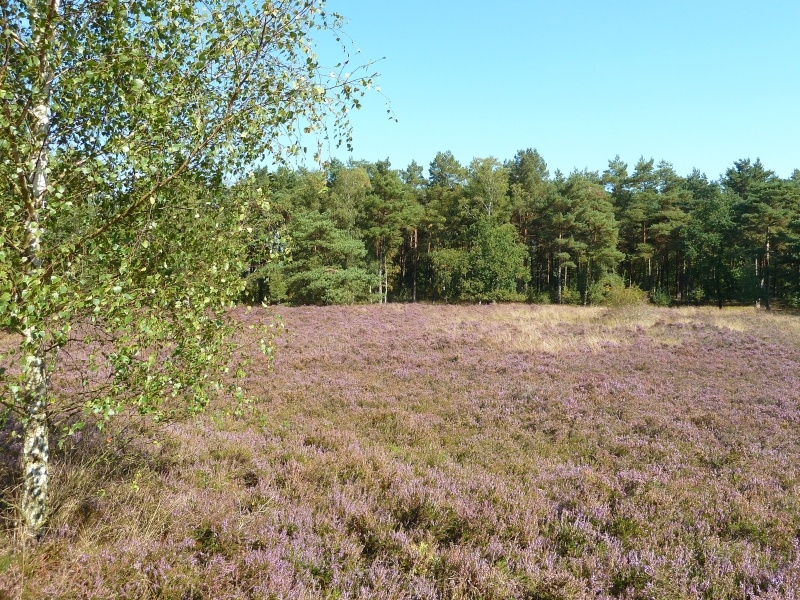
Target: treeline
x,y
509,231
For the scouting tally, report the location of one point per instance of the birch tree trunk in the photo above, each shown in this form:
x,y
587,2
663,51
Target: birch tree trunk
x,y
380,277
767,274
385,280
35,449
559,280
415,258
35,444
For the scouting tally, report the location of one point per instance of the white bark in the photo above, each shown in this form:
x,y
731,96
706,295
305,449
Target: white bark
x,y
35,449
35,444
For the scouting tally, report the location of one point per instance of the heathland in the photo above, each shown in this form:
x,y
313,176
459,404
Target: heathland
x,y
440,451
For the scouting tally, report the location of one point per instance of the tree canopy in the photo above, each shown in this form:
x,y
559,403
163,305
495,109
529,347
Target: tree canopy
x,y
676,239
120,123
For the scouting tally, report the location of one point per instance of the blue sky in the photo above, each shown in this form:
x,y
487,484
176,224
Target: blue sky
x,y
699,84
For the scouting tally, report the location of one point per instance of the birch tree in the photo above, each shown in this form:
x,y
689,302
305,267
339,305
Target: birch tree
x,y
107,110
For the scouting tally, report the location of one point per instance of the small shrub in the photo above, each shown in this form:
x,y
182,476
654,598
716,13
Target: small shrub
x,y
569,540
792,301
539,297
373,535
551,586
570,296
250,479
661,297
743,528
229,453
697,295
610,290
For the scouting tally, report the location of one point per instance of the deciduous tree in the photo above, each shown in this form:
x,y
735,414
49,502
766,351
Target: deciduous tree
x,y
106,110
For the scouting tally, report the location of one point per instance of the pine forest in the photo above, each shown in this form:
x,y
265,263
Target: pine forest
x,y
494,231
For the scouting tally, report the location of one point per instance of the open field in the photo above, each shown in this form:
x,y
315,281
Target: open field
x,y
419,451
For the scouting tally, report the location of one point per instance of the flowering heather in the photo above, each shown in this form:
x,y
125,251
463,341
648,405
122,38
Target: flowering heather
x,y
418,451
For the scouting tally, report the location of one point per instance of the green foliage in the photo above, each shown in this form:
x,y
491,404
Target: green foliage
x,y
348,193
495,263
793,301
328,264
486,192
491,269
118,124
132,237
450,267
610,290
709,238
446,172
697,295
571,296
382,221
681,239
746,285
660,297
539,297
265,227
327,285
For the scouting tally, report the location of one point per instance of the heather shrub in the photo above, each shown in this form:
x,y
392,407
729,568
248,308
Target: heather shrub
x,y
418,451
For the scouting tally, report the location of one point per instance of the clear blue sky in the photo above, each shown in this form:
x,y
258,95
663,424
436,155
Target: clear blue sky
x,y
697,83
